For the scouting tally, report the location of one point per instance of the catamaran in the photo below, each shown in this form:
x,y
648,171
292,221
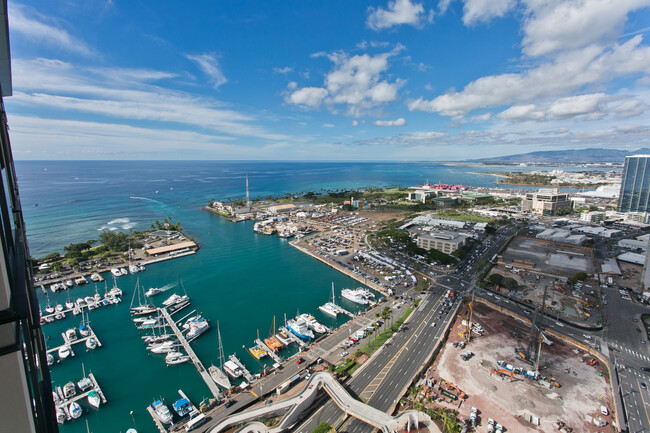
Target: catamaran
x,y
140,309
330,308
272,342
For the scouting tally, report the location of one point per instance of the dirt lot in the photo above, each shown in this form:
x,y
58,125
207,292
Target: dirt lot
x,y
508,400
578,306
549,258
631,277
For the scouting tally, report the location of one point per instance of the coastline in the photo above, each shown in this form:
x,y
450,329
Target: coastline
x,y
344,271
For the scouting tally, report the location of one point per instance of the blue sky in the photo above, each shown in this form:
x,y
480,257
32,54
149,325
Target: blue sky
x,y
326,80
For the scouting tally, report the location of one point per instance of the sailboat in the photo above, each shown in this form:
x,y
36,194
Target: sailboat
x,y
84,330
272,342
330,308
140,309
49,309
216,373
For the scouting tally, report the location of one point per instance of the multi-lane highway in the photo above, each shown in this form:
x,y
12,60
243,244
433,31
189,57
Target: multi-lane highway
x,y
380,382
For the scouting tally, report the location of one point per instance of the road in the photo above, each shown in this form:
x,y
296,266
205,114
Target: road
x,y
380,382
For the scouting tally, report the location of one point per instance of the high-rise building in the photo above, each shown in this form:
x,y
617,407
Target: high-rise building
x,y
25,387
635,188
546,201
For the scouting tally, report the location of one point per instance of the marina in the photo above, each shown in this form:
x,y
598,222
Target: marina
x,y
274,356
67,342
188,349
78,309
64,403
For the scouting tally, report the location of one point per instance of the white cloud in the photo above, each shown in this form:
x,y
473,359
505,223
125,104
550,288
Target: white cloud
x,y
476,11
355,123
629,108
284,70
397,13
443,5
39,31
556,25
328,125
310,96
210,67
43,83
397,122
568,72
355,82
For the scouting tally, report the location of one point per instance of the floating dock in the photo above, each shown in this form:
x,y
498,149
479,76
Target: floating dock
x,y
274,356
182,394
161,427
65,403
76,310
292,337
188,349
247,374
69,343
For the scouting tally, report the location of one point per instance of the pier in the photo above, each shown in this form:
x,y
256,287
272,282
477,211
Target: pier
x,y
247,374
69,343
161,427
65,403
292,337
194,408
188,349
274,356
77,310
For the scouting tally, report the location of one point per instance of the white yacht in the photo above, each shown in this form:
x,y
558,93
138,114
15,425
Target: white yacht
x,y
60,416
134,269
164,347
153,291
116,272
173,358
314,324
300,328
233,369
355,296
197,329
71,334
64,352
162,412
123,271
330,309
175,299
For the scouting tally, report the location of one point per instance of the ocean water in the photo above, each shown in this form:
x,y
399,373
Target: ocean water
x,y
238,278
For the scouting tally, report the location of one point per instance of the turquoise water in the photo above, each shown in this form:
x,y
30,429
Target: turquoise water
x,y
238,278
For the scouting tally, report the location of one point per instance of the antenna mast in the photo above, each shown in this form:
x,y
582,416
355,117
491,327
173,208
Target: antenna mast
x,y
248,197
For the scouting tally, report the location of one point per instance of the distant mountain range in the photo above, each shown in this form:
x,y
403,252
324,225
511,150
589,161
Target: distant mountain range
x,y
576,156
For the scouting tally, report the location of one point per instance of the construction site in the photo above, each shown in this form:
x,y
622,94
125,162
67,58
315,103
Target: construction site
x,y
505,373
542,266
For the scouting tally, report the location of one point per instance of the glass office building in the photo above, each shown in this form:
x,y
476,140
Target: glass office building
x,y
635,187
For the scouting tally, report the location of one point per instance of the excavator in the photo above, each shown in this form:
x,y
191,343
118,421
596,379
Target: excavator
x,y
448,384
503,371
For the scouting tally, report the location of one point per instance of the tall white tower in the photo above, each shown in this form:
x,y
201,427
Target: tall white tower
x,y
248,197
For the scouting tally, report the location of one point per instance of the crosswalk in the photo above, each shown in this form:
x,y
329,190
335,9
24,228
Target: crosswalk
x,y
630,352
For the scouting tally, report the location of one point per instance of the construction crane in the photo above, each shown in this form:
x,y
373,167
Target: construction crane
x,y
535,336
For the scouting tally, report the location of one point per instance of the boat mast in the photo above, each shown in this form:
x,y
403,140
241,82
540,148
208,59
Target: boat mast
x,y
221,355
137,290
333,298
